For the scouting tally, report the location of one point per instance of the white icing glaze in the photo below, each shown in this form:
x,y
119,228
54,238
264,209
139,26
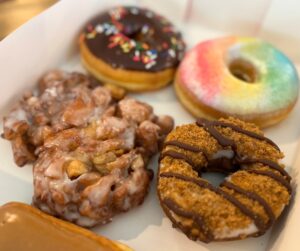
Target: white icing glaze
x,y
132,187
223,153
226,232
122,182
52,91
85,221
53,171
16,116
98,192
126,204
116,128
129,137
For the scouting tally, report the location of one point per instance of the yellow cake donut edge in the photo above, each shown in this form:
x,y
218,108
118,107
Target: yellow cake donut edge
x,y
131,80
198,109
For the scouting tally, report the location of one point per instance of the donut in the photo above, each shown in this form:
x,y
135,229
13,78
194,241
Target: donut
x,y
248,201
88,175
89,151
131,47
241,77
62,100
26,228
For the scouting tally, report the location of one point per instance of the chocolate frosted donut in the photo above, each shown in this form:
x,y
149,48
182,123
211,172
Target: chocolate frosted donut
x,y
131,47
246,203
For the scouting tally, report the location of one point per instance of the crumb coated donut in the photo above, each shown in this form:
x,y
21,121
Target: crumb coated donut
x,y
238,76
132,47
246,203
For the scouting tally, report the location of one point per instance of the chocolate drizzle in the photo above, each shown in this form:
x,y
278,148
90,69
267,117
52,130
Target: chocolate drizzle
x,y
237,129
255,197
272,175
177,155
222,140
235,162
176,224
198,220
269,163
186,147
203,184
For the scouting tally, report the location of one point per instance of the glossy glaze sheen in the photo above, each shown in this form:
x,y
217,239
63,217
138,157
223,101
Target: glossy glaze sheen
x,y
132,38
25,228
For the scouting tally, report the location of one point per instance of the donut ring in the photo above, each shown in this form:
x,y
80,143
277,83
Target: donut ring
x,y
250,199
236,76
131,47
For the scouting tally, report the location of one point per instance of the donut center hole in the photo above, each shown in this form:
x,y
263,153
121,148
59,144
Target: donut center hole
x,y
243,70
135,33
214,178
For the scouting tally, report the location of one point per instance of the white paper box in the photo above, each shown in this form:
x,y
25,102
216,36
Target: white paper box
x,y
50,41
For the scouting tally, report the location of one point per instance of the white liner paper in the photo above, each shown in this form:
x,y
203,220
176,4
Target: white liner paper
x,y
50,41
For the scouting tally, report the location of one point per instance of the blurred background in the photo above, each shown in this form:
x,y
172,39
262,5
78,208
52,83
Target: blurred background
x,y
276,21
13,13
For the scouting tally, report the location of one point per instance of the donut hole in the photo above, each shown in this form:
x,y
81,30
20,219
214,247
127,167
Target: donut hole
x,y
214,178
135,33
137,36
129,170
113,187
219,167
243,70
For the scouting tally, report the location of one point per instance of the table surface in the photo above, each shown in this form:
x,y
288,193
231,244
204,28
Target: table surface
x,y
13,13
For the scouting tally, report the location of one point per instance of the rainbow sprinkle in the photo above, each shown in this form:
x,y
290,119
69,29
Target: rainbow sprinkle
x,y
139,51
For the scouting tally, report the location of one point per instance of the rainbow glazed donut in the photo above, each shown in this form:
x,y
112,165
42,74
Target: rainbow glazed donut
x,y
237,76
131,47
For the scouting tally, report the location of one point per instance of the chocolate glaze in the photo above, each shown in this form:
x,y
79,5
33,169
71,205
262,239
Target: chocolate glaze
x,y
222,140
203,184
246,132
177,224
131,38
198,220
269,163
186,147
255,197
274,176
237,129
177,155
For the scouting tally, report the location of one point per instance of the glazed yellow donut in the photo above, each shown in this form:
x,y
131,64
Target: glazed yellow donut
x,y
237,76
